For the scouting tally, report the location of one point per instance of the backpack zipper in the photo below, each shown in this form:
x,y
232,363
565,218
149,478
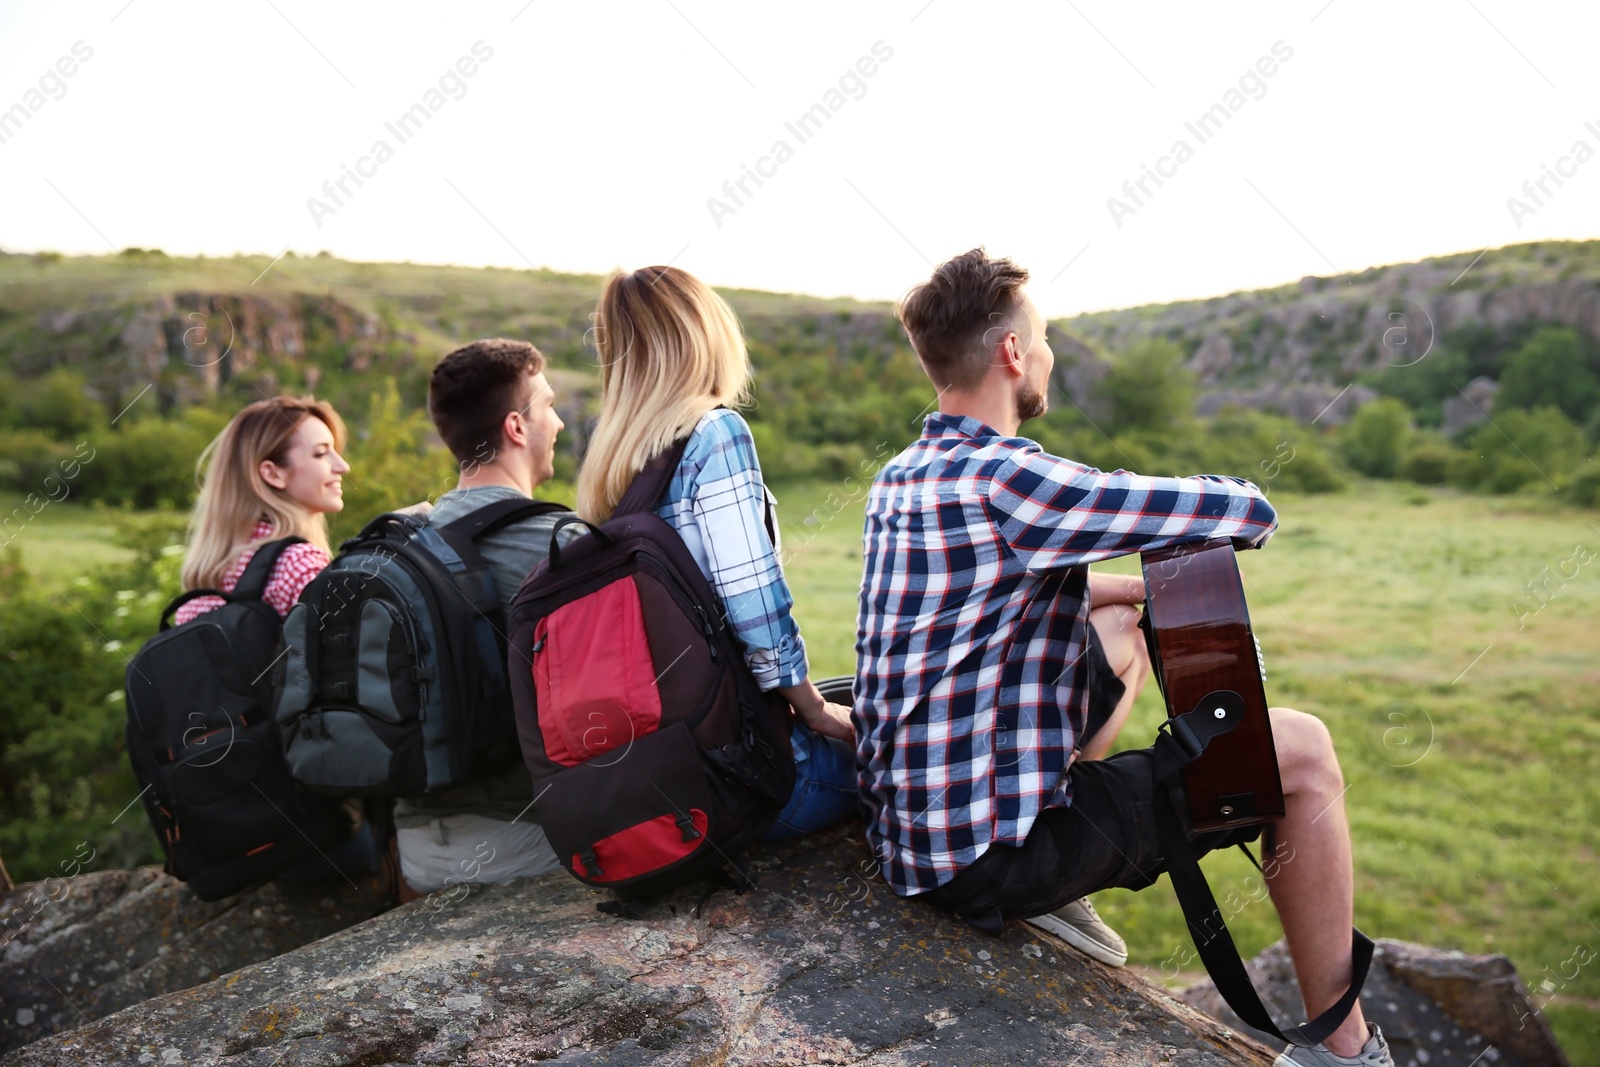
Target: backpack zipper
x,y
705,628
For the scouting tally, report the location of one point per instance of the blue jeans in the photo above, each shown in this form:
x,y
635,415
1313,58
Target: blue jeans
x,y
825,788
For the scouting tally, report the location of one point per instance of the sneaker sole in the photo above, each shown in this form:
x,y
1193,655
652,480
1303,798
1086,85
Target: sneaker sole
x,y
1075,937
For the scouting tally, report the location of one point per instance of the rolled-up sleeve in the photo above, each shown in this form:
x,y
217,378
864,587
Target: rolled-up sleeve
x,y
729,502
1054,513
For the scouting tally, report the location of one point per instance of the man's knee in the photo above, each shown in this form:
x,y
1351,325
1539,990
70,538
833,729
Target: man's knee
x,y
1306,758
1116,628
1115,619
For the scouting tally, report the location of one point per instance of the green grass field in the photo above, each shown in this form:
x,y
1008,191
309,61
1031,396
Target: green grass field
x,y
1468,734
61,540
1473,811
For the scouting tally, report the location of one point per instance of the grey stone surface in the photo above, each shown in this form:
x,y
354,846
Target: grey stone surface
x,y
819,964
1436,1007
77,949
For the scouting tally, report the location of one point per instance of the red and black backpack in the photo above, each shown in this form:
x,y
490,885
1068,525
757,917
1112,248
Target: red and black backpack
x,y
656,758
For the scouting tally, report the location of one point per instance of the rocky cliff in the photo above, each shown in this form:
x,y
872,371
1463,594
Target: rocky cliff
x,y
193,342
1437,1007
1293,348
819,964
1258,346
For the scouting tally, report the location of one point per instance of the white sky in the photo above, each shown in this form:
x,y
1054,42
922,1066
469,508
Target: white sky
x,y
596,132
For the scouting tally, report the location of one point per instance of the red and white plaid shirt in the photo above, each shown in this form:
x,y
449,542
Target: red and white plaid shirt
x,y
296,566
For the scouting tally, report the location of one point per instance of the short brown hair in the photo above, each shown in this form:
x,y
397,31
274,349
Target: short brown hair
x,y
474,387
948,316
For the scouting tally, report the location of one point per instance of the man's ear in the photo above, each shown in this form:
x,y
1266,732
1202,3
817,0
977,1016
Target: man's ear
x,y
515,429
272,474
1010,353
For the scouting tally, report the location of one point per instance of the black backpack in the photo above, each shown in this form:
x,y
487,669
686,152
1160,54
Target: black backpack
x,y
656,758
394,680
204,746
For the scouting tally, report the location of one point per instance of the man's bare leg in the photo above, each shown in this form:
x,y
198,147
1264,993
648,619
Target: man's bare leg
x,y
1117,626
1311,875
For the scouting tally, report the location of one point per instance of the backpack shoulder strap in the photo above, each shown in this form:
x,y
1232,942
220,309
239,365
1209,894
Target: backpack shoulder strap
x,y
462,534
253,582
650,484
499,514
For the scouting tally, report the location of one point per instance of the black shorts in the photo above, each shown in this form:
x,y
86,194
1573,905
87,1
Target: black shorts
x,y
1105,688
1106,838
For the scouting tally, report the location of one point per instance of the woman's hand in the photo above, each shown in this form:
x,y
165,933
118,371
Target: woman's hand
x,y
825,718
420,509
830,720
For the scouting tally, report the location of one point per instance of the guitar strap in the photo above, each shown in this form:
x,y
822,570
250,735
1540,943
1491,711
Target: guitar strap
x,y
1181,740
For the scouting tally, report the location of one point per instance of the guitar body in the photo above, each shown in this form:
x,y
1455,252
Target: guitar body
x,y
1198,629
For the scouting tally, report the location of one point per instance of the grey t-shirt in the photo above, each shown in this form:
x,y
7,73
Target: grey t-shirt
x,y
511,553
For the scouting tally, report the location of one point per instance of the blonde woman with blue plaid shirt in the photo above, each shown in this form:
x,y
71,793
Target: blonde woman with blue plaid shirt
x,y
674,364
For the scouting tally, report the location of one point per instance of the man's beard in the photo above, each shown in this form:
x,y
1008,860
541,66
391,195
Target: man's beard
x,y
1031,403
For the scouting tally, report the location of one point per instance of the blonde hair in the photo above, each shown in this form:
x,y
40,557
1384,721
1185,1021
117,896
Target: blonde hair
x,y
233,495
670,350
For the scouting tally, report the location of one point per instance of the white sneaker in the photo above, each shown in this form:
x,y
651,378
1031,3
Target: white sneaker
x,y
1375,1053
1079,926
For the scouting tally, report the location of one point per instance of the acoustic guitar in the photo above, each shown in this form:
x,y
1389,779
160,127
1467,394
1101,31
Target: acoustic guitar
x,y
1201,646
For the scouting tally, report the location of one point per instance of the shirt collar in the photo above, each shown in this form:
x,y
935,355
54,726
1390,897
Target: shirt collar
x,y
943,424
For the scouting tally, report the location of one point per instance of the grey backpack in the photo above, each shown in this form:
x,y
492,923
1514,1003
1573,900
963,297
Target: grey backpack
x,y
394,676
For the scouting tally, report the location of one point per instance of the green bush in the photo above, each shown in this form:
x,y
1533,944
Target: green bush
x,y
1428,461
1583,488
1375,439
1273,452
150,463
64,773
1519,449
1555,368
28,458
57,403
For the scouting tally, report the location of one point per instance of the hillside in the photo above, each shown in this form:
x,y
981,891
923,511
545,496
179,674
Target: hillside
x,y
117,342
139,318
1283,348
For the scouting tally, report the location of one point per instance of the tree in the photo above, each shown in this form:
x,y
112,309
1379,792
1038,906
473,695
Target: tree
x,y
1373,441
1556,367
1424,386
395,460
1149,387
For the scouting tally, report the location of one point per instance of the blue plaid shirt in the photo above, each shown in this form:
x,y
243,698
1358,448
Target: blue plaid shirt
x,y
973,616
718,503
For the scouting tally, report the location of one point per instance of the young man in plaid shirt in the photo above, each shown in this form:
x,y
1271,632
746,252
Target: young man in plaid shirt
x,y
993,670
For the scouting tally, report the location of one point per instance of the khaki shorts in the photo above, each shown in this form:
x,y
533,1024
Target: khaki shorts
x,y
456,849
